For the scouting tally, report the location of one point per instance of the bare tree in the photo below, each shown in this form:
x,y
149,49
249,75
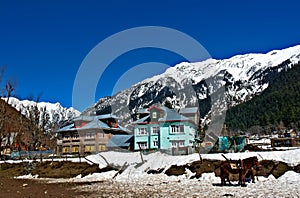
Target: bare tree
x,y
34,116
6,93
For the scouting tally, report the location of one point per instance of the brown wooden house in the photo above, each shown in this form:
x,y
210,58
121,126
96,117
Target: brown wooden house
x,y
89,134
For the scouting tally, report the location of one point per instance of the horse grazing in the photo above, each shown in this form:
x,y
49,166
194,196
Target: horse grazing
x,y
240,167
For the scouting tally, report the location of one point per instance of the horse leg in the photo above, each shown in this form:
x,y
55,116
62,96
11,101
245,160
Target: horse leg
x,y
222,177
242,178
252,176
228,180
222,181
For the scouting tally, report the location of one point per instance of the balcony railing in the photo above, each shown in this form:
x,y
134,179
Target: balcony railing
x,y
70,139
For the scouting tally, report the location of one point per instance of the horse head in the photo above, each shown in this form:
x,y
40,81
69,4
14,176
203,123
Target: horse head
x,y
256,163
251,162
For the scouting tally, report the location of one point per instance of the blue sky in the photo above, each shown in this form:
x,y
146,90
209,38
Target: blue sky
x,y
43,43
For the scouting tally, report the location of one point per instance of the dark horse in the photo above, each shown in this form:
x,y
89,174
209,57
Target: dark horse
x,y
241,169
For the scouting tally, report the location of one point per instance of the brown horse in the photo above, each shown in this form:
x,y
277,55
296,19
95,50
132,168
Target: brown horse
x,y
241,169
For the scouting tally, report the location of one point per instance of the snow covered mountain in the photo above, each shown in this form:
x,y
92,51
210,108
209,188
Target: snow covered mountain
x,y
223,83
56,112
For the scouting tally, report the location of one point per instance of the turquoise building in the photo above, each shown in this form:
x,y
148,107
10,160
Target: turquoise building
x,y
165,129
229,144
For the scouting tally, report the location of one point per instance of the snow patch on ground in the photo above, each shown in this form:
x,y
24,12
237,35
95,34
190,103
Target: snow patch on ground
x,y
136,182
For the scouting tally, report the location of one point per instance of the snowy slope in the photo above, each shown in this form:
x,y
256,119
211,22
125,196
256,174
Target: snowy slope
x,y
158,160
238,79
56,111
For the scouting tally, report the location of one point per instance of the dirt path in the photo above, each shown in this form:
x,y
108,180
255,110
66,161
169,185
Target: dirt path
x,y
11,188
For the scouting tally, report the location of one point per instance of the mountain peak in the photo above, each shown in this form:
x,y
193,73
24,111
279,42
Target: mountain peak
x,y
243,76
55,110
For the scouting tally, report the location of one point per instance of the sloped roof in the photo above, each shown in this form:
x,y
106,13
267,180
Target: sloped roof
x,y
171,115
142,120
69,127
188,110
84,118
106,116
95,123
124,129
120,141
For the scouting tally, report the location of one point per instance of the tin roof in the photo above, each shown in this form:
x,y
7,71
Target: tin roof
x,y
95,123
171,115
84,118
120,141
107,116
188,110
69,127
142,120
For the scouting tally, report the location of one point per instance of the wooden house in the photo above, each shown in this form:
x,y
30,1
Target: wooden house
x,y
89,134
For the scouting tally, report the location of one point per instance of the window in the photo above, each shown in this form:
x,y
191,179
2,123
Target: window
x,y
155,130
66,149
89,148
102,147
181,143
142,145
155,143
177,129
75,149
142,131
177,143
154,115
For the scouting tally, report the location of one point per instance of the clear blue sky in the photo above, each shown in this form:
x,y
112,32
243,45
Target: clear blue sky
x,y
43,43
